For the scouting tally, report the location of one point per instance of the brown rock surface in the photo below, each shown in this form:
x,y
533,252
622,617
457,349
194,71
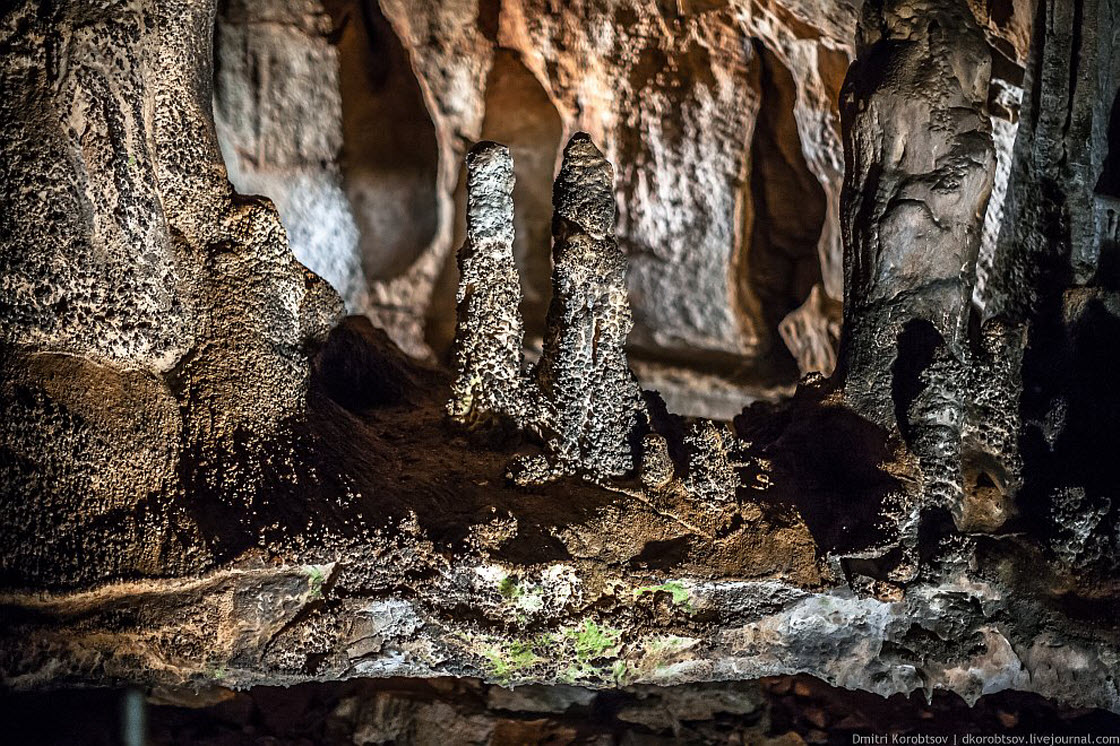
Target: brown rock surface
x,y
202,482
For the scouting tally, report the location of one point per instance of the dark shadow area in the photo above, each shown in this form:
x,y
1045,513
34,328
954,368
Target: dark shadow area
x,y
422,712
917,345
828,463
788,203
1071,404
389,172
1109,182
1107,206
662,555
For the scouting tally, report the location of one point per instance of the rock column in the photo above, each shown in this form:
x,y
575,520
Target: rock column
x,y
592,403
920,170
489,334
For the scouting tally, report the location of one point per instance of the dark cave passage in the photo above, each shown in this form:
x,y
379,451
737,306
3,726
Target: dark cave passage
x,y
788,204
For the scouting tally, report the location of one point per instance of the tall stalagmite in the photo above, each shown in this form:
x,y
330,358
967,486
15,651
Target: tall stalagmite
x,y
488,339
592,403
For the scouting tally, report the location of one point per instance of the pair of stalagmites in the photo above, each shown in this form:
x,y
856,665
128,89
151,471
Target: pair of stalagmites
x,y
580,400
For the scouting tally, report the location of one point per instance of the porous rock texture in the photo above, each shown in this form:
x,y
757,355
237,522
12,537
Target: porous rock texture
x,y
723,112
489,384
126,257
209,480
591,405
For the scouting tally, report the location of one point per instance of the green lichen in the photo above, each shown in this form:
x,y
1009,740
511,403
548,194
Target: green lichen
x,y
592,641
622,673
505,660
596,650
527,597
315,579
509,588
585,652
676,590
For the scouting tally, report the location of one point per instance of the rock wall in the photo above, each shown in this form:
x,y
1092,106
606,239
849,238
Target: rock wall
x,y
207,476
728,225
722,116
154,324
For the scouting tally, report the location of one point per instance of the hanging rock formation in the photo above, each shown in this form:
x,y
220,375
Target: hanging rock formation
x,y
490,383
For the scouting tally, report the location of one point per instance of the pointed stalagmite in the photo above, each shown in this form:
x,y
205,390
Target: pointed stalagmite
x,y
592,406
489,383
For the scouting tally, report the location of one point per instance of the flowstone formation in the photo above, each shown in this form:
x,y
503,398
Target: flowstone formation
x,y
920,172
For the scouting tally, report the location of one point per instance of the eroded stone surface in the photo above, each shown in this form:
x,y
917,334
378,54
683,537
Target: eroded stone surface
x,y
490,382
237,496
592,406
125,256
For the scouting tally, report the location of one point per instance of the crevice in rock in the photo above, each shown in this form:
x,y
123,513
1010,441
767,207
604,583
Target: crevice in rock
x,y
390,172
917,345
788,205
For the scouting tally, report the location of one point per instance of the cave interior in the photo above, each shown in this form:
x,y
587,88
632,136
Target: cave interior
x,y
523,371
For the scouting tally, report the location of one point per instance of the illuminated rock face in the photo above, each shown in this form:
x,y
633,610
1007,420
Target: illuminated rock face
x,y
489,384
124,257
920,171
919,175
207,476
727,112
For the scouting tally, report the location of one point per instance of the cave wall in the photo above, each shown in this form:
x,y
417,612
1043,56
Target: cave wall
x,y
719,253
723,118
126,257
208,479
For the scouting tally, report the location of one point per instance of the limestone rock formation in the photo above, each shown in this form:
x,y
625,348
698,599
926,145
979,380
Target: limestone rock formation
x,y
581,400
920,170
591,404
124,256
488,341
812,332
208,481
